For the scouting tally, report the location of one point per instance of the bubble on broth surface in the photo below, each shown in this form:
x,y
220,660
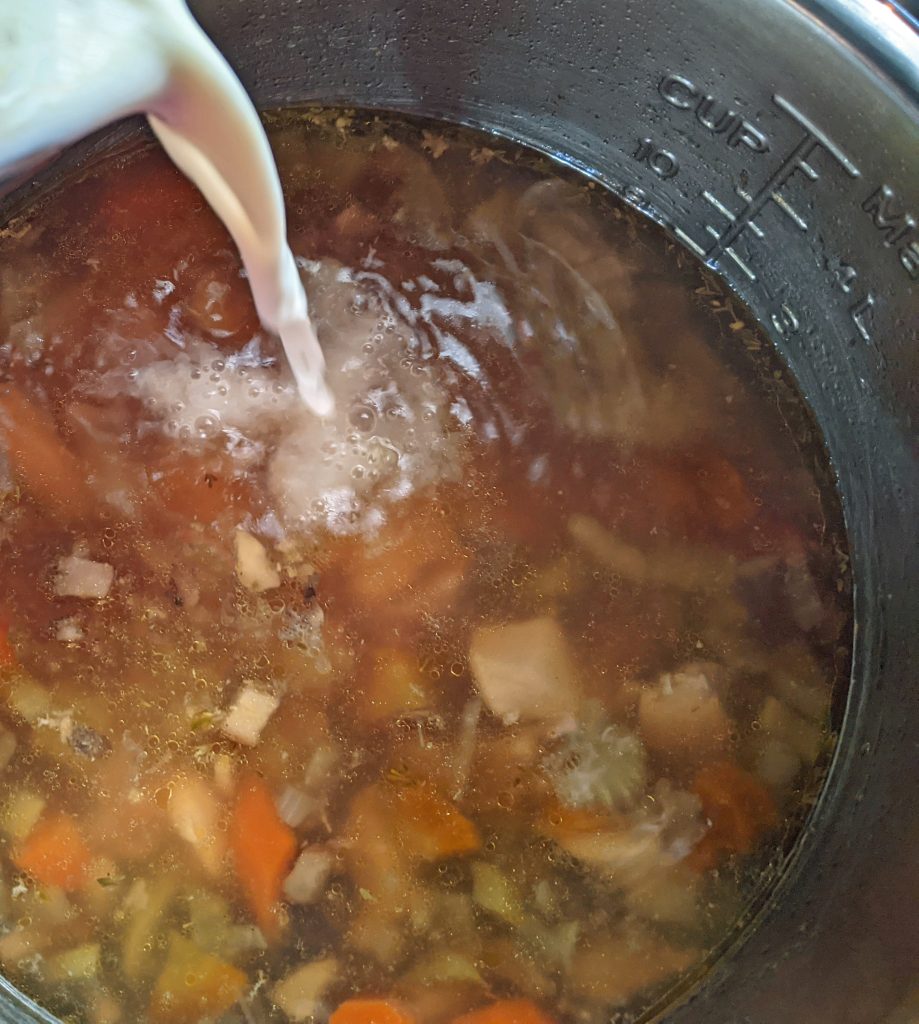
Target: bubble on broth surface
x,y
206,393
392,433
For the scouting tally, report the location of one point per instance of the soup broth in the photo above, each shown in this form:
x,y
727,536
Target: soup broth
x,y
494,698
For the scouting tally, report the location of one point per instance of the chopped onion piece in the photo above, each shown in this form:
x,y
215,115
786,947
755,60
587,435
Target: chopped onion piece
x,y
307,879
294,806
195,815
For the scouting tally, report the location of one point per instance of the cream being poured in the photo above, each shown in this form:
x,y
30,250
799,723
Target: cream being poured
x,y
68,67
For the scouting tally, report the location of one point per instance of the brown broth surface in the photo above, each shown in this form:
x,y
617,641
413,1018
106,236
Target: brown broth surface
x,y
512,681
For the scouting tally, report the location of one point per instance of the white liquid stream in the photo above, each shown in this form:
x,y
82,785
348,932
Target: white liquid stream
x,y
68,67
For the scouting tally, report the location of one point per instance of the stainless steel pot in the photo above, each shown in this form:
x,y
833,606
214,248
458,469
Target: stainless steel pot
x,y
779,141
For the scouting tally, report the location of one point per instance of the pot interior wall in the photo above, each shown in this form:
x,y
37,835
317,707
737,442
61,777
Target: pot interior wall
x,y
785,159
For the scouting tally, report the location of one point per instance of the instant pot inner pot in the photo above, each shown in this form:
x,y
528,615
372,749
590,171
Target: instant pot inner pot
x,y
777,142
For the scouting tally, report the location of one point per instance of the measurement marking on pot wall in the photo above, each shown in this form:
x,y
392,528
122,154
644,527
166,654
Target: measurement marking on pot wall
x,y
798,161
896,225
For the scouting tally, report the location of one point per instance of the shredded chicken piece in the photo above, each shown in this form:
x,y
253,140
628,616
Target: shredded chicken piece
x,y
524,670
253,567
82,577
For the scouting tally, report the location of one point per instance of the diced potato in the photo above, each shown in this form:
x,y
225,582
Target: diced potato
x,y
28,699
211,927
776,763
22,944
800,681
7,747
194,812
306,881
681,718
253,567
295,805
68,631
377,931
506,960
105,1008
493,891
779,722
524,670
145,909
669,895
194,985
447,967
224,774
78,964
622,558
82,577
611,971
21,813
249,714
300,994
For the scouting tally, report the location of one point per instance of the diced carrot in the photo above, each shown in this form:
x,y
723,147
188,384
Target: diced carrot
x,y
432,827
506,1011
371,1011
739,808
54,853
560,822
7,654
194,985
263,850
50,472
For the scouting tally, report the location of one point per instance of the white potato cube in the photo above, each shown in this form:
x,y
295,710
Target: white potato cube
x,y
249,714
299,995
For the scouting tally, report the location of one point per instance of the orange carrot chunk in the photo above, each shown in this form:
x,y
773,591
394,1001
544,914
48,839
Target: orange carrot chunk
x,y
54,853
263,851
432,826
506,1011
371,1011
49,472
739,808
